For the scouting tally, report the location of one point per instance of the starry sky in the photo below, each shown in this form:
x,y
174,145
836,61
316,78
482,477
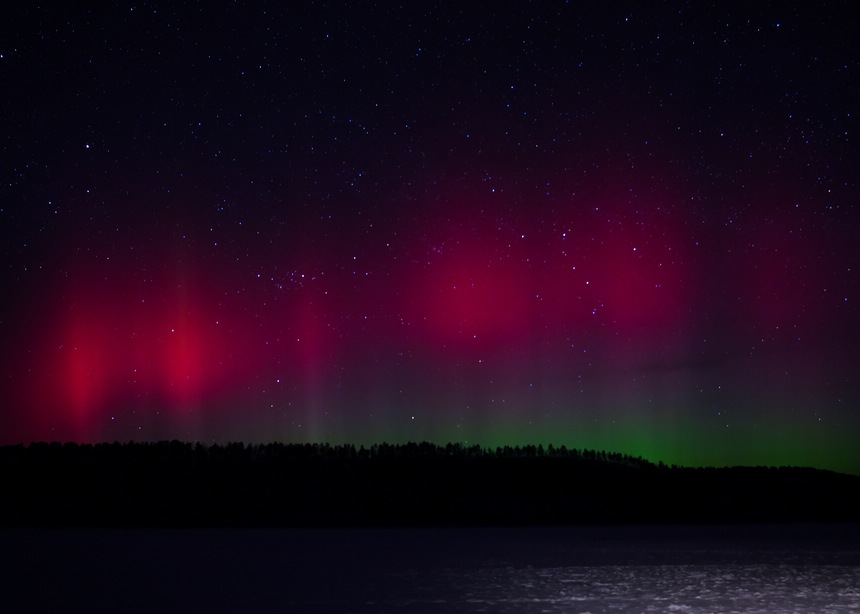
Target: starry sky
x,y
619,227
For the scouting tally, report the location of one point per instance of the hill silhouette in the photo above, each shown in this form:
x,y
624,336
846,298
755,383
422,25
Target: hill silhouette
x,y
417,484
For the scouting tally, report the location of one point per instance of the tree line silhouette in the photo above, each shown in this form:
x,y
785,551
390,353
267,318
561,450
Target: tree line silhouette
x,y
173,483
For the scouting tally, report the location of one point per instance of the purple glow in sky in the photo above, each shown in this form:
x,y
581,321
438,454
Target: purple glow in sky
x,y
622,228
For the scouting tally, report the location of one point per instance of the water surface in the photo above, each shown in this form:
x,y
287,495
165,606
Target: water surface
x,y
596,570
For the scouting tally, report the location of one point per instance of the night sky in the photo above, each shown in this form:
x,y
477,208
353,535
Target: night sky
x,y
605,227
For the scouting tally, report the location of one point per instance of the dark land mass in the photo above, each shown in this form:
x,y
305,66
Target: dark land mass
x,y
175,484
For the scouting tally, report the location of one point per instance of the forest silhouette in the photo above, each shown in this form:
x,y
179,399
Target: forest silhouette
x,y
178,484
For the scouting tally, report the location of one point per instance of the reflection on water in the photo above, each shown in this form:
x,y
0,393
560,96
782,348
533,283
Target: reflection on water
x,y
636,588
580,570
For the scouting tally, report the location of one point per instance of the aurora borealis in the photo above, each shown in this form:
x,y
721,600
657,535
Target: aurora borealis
x,y
622,228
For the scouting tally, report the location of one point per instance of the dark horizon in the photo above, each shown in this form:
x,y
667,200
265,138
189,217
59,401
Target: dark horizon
x,y
175,484
521,450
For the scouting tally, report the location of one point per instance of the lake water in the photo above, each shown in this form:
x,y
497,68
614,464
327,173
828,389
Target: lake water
x,y
632,569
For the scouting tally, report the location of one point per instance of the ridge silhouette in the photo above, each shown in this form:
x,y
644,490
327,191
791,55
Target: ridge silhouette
x,y
173,483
